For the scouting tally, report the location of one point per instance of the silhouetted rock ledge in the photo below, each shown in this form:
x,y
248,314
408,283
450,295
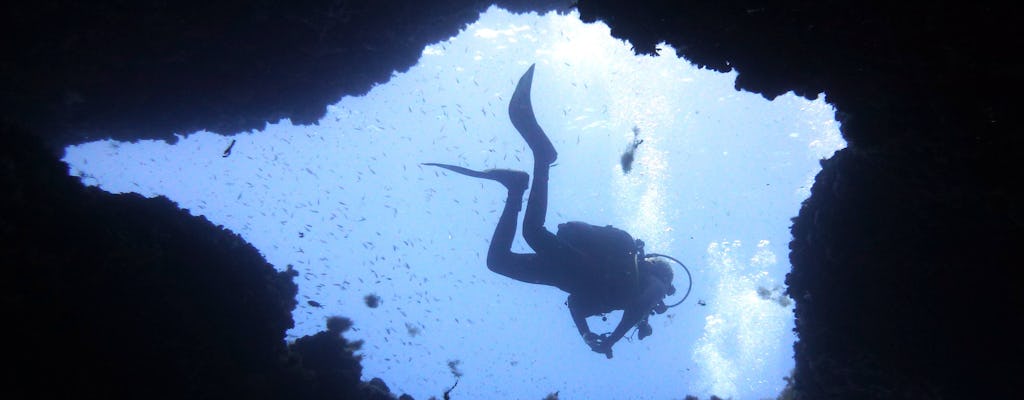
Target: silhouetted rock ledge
x,y
120,296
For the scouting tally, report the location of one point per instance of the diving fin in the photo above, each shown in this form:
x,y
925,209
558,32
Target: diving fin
x,y
512,179
520,111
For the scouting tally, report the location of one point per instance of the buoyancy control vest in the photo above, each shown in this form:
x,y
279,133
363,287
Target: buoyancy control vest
x,y
611,253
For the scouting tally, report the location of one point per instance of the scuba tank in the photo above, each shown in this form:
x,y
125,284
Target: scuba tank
x,y
614,253
610,251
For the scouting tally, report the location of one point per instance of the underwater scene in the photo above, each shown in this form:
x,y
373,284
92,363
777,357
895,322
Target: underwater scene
x,y
670,153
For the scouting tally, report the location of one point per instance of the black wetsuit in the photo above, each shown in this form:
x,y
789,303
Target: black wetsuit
x,y
553,263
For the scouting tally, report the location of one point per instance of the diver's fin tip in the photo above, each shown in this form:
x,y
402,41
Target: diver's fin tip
x,y
527,76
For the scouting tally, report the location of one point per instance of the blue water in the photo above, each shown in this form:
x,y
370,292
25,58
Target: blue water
x,y
718,177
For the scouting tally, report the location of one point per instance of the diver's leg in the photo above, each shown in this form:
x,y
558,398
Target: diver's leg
x,y
527,268
500,258
537,236
499,254
520,111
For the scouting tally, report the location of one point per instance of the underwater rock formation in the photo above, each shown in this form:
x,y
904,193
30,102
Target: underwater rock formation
x,y
153,69
121,296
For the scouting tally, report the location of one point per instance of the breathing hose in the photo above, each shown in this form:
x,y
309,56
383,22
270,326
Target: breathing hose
x,y
689,278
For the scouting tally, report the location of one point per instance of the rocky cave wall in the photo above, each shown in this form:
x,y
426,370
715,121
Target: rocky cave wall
x,y
903,256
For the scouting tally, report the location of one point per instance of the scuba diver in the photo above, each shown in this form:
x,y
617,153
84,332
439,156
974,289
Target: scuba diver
x,y
601,267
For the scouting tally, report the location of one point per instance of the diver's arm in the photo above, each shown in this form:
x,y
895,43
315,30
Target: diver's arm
x,y
578,316
630,317
654,291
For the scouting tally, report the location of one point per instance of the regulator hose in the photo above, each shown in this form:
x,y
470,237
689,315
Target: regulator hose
x,y
689,278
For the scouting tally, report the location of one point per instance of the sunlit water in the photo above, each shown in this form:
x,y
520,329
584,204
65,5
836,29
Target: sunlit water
x,y
715,182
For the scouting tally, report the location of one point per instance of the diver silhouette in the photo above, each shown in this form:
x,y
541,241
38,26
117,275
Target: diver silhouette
x,y
602,268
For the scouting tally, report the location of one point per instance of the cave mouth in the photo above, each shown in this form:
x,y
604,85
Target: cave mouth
x,y
346,203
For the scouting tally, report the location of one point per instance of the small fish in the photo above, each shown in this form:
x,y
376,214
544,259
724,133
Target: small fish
x,y
314,304
227,151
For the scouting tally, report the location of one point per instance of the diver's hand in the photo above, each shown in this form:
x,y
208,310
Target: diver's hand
x,y
599,343
604,348
644,329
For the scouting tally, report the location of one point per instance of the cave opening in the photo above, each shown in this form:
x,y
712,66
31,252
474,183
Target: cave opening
x,y
346,203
